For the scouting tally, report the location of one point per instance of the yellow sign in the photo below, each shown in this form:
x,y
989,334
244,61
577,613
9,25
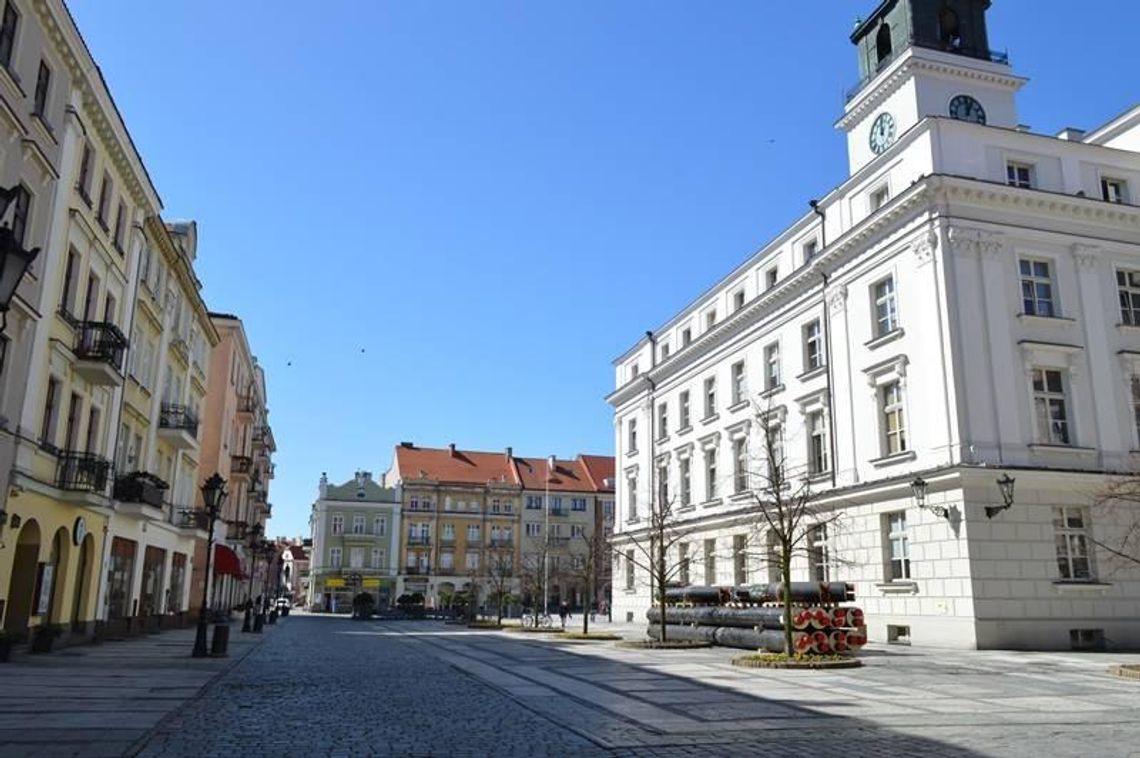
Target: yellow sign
x,y
334,582
370,583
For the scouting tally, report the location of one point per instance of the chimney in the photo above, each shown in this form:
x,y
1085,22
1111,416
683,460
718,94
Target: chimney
x,y
408,445
366,475
324,488
510,452
1071,134
451,449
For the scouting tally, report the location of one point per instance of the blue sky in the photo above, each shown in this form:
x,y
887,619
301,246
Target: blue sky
x,y
450,217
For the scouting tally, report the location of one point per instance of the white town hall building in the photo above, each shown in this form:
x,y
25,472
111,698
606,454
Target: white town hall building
x,y
964,307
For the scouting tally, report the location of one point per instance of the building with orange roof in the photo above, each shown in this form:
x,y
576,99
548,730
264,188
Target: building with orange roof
x,y
470,514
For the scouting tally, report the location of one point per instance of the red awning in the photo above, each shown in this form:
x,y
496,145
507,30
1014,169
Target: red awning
x,y
226,561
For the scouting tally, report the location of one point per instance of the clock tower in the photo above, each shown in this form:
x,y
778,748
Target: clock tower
x,y
920,58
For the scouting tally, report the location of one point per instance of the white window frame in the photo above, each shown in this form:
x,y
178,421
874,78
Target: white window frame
x,y
819,553
685,476
894,441
740,470
878,196
818,450
709,457
336,525
809,250
380,526
1114,190
1128,289
739,376
710,396
738,299
772,370
336,557
663,420
885,306
896,547
631,497
1046,305
813,345
1047,399
710,561
631,430
1014,171
683,413
1072,531
771,277
359,523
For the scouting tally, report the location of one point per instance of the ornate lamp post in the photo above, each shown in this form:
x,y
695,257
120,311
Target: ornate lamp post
x,y
14,259
1005,486
213,496
918,489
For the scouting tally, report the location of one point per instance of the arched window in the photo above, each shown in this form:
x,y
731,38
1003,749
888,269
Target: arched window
x,y
948,30
883,43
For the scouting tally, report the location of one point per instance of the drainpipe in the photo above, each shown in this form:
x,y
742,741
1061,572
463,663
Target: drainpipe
x,y
831,437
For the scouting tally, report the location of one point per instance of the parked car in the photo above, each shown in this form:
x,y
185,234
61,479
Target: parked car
x,y
283,603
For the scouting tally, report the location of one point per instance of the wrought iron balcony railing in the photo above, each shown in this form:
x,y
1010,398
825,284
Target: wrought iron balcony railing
x,y
173,416
101,342
418,540
82,472
240,464
139,487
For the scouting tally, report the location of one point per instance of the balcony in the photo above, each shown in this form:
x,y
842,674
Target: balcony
x,y
245,407
82,472
559,541
178,426
99,351
420,541
499,544
240,466
139,487
447,539
189,518
559,512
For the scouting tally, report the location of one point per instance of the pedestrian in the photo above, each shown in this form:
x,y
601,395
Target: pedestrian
x,y
563,612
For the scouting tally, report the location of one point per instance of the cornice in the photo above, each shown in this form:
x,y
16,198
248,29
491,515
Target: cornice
x,y
905,69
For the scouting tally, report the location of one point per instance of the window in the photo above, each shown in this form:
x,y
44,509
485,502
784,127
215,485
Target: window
x,y
1049,407
740,464
664,350
533,529
8,25
448,533
577,531
356,558
92,445
686,476
630,576
710,561
683,402
710,474
772,553
335,557
739,383
662,420
71,281
810,249
338,524
739,558
22,213
534,502
377,558
110,313
634,371
556,504
710,397
1019,175
118,239
737,300
894,418
1128,290
686,336
472,533
883,44
818,554
1113,190
1070,529
84,183
817,443
663,482
813,346
446,561
898,554
772,366
878,198
771,276
471,561
43,87
710,319
886,307
1135,387
380,526
774,443
358,524
683,562
577,503
104,199
1036,287
632,497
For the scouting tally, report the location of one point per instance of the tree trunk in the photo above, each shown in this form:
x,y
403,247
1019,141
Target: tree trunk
x,y
661,586
589,604
786,572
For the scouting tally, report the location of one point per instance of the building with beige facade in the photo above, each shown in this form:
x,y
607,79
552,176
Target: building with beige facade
x,y
470,515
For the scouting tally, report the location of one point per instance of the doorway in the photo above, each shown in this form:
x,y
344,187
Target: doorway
x,y
22,585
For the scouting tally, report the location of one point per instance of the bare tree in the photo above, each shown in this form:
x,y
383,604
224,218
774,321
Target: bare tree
x,y
533,573
787,510
653,547
587,552
500,576
1119,502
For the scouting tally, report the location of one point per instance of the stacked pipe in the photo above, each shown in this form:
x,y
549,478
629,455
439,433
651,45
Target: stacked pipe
x,y
752,617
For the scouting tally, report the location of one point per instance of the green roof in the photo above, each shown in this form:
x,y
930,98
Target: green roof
x,y
352,490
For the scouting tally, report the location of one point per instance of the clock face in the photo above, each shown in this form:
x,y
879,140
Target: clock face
x,y
882,133
966,108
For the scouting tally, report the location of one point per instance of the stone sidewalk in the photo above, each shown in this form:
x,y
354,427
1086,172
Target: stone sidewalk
x,y
99,700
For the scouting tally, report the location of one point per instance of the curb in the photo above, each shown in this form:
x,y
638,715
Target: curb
x,y
749,662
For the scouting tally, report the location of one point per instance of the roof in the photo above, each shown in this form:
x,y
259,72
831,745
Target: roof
x,y
454,466
351,490
298,553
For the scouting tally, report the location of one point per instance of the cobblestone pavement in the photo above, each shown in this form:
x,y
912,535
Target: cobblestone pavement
x,y
329,686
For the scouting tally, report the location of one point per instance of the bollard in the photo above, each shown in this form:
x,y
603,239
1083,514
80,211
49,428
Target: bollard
x,y
285,611
221,641
258,623
273,617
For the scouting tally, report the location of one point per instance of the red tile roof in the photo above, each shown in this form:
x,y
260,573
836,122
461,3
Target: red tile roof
x,y
298,553
454,466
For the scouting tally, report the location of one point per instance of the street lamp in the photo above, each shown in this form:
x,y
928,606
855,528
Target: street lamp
x,y
14,259
213,496
918,488
1005,487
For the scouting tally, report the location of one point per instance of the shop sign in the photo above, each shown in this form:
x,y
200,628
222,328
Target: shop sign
x,y
334,582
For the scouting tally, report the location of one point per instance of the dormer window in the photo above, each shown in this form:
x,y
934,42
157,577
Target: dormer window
x,y
883,44
948,31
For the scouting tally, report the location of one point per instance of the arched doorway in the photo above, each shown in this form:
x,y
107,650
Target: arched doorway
x,y
84,569
22,585
60,547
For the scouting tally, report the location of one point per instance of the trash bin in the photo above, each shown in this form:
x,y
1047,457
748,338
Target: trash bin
x,y
221,641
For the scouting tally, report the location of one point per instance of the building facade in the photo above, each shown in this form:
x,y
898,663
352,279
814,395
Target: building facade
x,y
481,518
355,530
959,309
